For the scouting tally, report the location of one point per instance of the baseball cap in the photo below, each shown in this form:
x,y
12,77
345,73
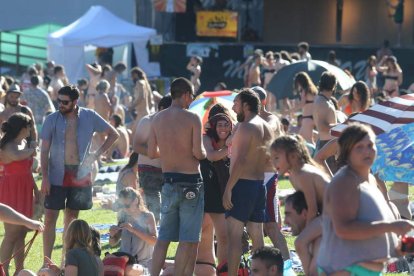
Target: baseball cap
x,y
14,88
260,92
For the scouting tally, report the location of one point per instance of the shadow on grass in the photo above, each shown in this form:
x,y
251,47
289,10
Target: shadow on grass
x,y
107,247
59,246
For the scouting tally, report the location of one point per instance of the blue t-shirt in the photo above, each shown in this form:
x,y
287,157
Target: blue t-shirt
x,y
54,129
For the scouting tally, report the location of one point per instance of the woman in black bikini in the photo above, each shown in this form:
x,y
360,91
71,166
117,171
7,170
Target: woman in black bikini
x,y
307,89
393,75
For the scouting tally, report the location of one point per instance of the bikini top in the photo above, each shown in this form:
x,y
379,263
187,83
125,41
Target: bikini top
x,y
268,71
391,77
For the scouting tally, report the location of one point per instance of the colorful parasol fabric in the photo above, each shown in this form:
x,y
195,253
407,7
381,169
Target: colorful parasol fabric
x,y
203,103
383,117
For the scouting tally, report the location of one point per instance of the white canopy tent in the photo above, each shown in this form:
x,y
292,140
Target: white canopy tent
x,y
98,27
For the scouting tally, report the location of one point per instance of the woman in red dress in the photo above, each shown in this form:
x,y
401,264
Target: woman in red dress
x,y
16,184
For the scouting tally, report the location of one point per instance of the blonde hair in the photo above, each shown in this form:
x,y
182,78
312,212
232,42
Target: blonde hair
x,y
78,235
103,85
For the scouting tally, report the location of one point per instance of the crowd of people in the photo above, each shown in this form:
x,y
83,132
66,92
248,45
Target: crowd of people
x,y
208,187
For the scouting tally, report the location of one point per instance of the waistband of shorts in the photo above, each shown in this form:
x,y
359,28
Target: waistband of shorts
x,y
251,181
182,177
148,168
71,168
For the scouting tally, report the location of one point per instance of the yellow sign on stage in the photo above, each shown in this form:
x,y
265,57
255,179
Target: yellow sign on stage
x,y
217,23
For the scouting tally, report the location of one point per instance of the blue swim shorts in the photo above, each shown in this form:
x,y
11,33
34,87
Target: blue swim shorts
x,y
249,201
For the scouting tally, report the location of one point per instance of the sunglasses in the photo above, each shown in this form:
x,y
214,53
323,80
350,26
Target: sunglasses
x,y
63,102
127,206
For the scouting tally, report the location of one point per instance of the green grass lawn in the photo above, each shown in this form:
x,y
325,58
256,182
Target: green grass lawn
x,y
99,216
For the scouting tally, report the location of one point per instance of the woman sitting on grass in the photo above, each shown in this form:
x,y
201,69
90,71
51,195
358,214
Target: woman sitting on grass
x,y
80,259
136,230
290,154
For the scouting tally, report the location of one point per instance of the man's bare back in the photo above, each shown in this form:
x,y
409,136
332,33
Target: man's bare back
x,y
324,116
173,129
251,140
141,136
122,144
142,99
254,75
276,127
273,121
103,105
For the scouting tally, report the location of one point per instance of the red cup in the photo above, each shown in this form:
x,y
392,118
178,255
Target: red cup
x,y
407,244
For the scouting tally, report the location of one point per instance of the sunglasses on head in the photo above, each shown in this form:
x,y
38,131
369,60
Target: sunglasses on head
x,y
64,102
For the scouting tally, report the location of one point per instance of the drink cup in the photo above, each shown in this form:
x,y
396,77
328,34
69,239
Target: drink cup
x,y
407,242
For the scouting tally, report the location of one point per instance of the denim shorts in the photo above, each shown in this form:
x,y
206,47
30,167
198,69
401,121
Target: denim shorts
x,y
181,216
151,182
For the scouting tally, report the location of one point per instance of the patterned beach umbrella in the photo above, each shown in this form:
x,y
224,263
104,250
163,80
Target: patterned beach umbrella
x,y
203,103
395,156
384,116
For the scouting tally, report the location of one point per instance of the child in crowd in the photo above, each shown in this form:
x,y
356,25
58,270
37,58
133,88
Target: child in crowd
x,y
290,154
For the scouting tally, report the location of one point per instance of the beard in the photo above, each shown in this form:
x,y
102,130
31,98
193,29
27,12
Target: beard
x,y
66,110
13,104
240,117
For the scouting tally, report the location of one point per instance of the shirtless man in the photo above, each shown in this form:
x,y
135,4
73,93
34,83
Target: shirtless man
x,y
103,108
12,105
245,194
66,160
194,66
119,149
94,71
324,113
296,212
149,170
176,138
57,82
272,221
102,103
254,71
143,99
